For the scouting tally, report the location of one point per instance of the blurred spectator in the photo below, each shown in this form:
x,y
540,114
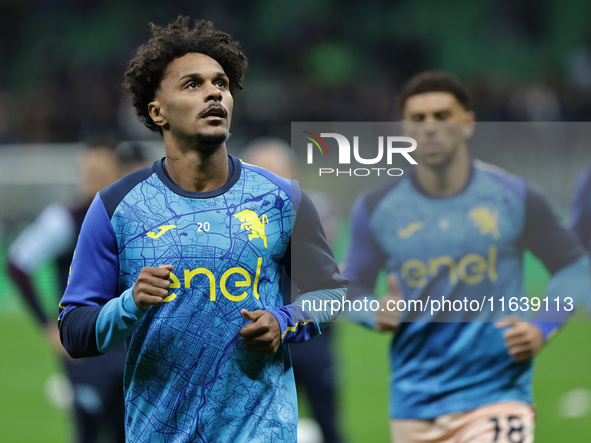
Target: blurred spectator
x,y
61,61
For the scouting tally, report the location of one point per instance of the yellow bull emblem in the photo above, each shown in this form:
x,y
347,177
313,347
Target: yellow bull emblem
x,y
251,222
486,220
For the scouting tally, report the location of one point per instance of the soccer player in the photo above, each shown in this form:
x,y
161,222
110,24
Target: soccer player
x,y
580,218
313,362
183,260
98,395
455,227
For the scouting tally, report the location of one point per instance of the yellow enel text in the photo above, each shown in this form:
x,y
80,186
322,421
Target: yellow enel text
x,y
245,282
471,269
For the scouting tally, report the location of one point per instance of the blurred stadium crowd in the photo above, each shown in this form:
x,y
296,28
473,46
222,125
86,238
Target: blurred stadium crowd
x,y
331,60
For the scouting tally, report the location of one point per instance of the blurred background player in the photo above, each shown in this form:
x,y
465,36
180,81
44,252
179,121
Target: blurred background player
x,y
581,209
97,385
313,361
580,217
453,228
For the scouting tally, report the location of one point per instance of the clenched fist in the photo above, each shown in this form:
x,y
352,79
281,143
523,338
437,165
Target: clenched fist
x,y
151,286
523,340
263,335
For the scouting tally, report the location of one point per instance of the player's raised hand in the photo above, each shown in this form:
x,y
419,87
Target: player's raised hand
x,y
151,286
263,335
387,318
523,340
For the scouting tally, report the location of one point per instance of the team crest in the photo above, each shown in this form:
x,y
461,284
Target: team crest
x,y
250,221
486,220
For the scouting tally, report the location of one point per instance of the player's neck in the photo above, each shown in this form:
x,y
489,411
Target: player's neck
x,y
198,170
447,180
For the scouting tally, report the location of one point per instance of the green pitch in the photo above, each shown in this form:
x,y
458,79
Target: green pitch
x,y
562,378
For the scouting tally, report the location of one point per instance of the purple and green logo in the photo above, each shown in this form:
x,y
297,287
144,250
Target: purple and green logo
x,y
315,140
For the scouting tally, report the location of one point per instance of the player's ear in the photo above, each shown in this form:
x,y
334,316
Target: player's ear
x,y
469,116
156,113
469,123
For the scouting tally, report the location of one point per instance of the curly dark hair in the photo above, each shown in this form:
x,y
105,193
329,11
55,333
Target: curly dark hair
x,y
145,72
435,81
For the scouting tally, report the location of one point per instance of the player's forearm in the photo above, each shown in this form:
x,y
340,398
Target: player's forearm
x,y
310,312
118,319
571,287
358,310
88,331
77,330
360,296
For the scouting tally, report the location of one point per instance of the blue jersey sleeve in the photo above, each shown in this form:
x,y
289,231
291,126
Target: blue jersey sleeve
x,y
363,263
580,218
365,257
546,236
92,290
560,252
311,265
571,286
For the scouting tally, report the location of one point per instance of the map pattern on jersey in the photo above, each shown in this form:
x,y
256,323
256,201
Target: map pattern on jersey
x,y
186,364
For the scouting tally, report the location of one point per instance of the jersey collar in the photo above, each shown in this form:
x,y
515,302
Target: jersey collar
x,y
421,190
234,167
